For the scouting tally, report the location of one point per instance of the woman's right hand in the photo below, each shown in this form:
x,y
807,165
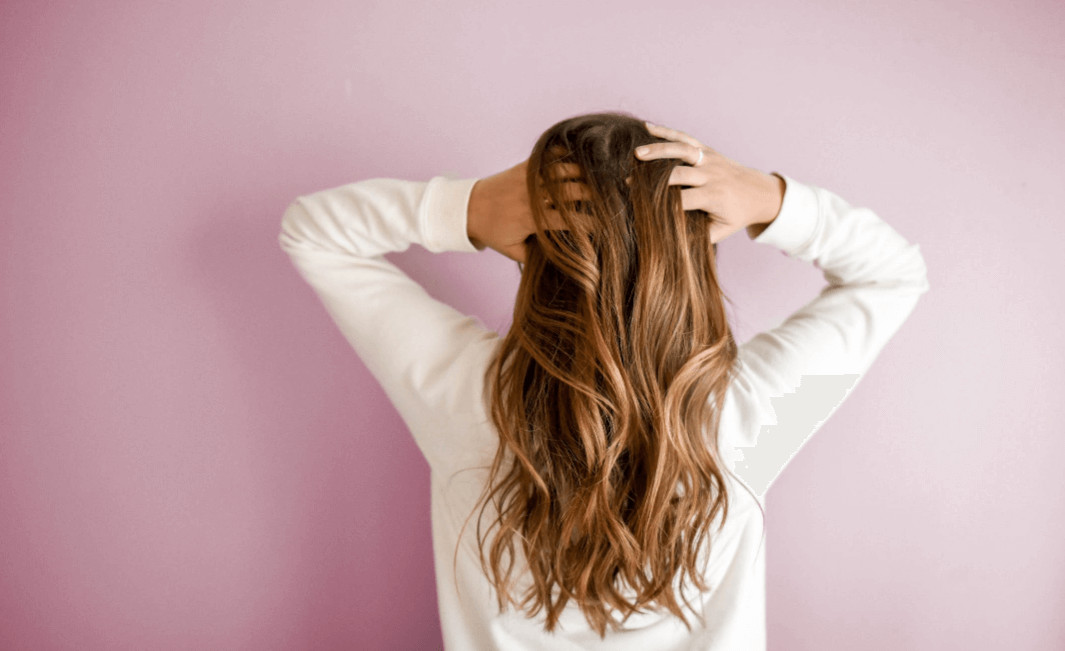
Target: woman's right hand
x,y
736,196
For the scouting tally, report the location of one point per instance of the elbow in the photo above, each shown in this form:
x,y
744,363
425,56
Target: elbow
x,y
293,225
908,273
919,270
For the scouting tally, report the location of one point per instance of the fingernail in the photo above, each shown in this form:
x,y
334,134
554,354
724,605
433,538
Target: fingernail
x,y
640,151
648,124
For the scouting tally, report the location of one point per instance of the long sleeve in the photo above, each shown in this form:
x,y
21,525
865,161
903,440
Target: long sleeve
x,y
427,356
791,378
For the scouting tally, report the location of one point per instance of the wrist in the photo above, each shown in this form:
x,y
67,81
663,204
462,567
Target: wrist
x,y
770,199
475,211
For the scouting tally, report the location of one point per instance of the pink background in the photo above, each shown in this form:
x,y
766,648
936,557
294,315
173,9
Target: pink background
x,y
191,456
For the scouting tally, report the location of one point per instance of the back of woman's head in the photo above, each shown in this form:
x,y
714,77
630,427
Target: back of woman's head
x,y
606,389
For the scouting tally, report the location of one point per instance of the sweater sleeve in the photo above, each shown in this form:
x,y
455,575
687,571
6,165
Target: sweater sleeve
x,y
791,378
427,356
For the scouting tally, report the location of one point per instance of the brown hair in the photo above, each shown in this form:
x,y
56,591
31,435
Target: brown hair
x,y
606,389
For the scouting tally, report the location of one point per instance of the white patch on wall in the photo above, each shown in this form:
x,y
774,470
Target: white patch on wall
x,y
799,415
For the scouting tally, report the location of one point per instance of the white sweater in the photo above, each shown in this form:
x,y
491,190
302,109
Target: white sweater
x,y
430,359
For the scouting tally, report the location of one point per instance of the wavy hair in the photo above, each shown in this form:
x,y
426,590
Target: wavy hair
x,y
606,390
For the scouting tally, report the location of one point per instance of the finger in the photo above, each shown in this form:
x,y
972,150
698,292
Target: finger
x,y
689,176
673,134
563,171
574,191
717,232
572,197
517,252
720,230
566,192
569,181
690,200
687,153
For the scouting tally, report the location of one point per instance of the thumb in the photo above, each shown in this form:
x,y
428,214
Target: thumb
x,y
720,230
516,252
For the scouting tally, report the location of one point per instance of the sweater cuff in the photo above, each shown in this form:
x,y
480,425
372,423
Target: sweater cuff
x,y
443,215
796,223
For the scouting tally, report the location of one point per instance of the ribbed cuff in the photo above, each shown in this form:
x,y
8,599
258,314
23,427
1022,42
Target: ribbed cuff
x,y
796,223
443,215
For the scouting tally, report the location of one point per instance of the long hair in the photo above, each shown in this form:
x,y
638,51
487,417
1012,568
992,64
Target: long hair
x,y
606,390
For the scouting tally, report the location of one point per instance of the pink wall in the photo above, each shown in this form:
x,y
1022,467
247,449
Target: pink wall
x,y
191,457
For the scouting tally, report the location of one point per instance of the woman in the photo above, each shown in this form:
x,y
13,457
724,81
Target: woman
x,y
584,466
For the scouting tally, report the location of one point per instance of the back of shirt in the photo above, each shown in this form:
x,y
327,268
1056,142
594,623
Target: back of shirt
x,y
430,360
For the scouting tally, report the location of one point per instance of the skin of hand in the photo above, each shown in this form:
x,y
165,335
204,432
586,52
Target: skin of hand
x,y
499,212
736,196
